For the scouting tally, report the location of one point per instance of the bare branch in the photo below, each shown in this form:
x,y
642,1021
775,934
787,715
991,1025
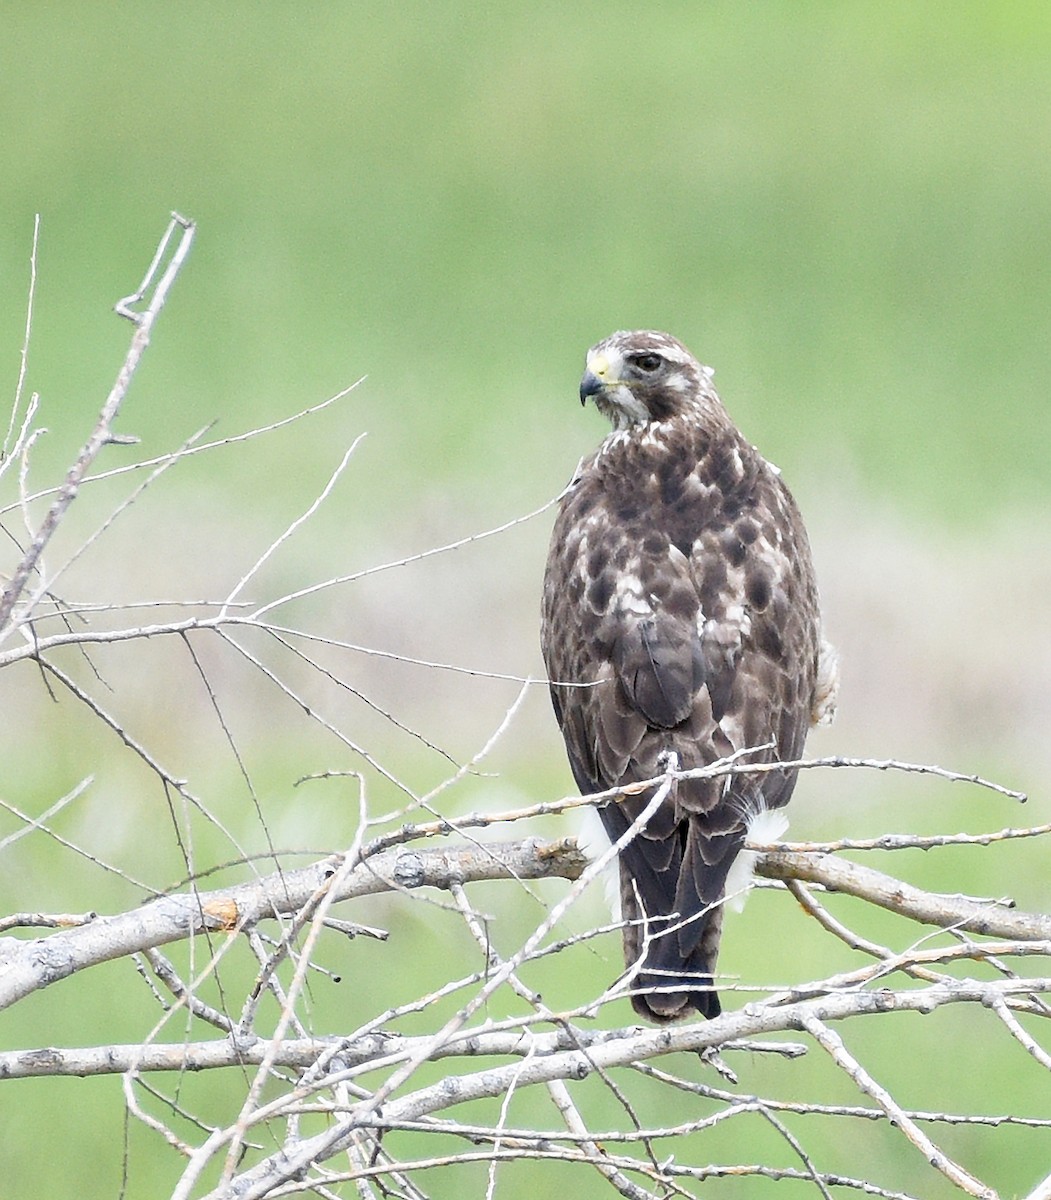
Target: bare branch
x,y
103,434
870,764
10,452
32,823
39,963
189,451
296,524
367,1107
913,841
838,875
260,1180
409,558
374,1050
1031,1046
1042,1191
591,1145
833,1043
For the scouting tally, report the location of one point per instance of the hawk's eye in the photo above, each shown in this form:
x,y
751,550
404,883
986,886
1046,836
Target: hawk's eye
x,y
647,362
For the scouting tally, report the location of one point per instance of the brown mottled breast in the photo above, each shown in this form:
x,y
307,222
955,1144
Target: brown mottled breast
x,y
680,584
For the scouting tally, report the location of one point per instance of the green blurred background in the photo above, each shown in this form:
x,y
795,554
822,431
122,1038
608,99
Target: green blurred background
x,y
844,209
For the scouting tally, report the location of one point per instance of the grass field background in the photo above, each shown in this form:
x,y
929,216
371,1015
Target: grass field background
x,y
845,210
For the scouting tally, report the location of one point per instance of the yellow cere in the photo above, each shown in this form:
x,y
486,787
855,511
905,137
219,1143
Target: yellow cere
x,y
599,365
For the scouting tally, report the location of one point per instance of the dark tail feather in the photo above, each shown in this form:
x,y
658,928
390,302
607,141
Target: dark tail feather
x,y
671,984
671,891
680,952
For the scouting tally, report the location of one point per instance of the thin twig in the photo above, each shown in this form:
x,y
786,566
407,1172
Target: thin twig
x,y
910,841
23,361
305,516
831,1042
220,443
1031,1045
30,824
103,434
408,559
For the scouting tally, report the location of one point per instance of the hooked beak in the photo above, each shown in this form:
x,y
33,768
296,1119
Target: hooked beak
x,y
590,385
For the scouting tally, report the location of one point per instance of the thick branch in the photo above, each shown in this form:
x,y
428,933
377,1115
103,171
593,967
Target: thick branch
x,y
930,908
299,1157
383,1048
43,961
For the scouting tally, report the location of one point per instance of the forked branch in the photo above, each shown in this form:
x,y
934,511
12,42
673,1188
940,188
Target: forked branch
x,y
103,433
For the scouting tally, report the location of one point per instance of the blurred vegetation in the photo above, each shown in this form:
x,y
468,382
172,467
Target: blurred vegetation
x,y
845,209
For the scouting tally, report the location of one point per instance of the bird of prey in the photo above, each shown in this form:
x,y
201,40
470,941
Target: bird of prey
x,y
681,625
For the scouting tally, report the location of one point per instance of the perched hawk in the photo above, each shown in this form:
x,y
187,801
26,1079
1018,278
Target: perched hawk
x,y
680,618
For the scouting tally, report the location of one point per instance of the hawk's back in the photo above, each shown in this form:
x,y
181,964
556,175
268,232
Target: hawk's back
x,y
680,614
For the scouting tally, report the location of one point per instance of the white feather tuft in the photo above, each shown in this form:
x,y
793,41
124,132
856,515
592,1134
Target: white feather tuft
x,y
592,839
826,690
766,825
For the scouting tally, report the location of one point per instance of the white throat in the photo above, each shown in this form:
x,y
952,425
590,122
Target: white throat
x,y
622,408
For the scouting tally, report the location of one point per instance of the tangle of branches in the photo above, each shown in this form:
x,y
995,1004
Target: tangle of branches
x,y
513,1061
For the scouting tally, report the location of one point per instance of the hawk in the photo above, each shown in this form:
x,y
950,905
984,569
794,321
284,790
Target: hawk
x,y
681,624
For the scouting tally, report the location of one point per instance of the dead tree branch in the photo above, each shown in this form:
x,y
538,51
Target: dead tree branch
x,y
373,1100
993,918
26,967
103,433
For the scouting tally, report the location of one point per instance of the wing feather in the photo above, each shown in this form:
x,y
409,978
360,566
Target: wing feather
x,y
659,664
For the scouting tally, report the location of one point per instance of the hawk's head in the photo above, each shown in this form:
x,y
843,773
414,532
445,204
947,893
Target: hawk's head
x,y
645,376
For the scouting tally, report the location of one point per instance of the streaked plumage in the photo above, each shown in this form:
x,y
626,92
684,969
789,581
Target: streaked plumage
x,y
680,592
